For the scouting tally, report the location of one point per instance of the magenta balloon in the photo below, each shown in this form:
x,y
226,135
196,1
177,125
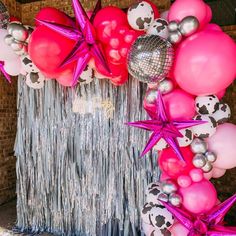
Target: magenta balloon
x,y
199,197
212,27
180,105
223,144
205,63
178,230
208,14
182,8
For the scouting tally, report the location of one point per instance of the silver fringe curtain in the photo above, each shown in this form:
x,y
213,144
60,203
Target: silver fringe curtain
x,y
81,173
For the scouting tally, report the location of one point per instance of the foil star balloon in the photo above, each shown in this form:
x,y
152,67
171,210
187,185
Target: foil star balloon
x,y
163,128
208,224
2,70
83,33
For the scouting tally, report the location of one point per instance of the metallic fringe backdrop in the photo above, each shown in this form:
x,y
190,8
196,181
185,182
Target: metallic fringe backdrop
x,y
81,173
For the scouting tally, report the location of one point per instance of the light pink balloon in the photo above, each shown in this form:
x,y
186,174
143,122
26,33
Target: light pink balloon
x,y
182,8
180,105
65,79
13,67
217,172
199,197
178,230
147,228
205,63
208,175
223,144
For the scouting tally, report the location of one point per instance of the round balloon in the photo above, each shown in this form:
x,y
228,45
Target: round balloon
x,y
152,193
199,197
202,60
207,105
223,114
179,230
223,144
159,27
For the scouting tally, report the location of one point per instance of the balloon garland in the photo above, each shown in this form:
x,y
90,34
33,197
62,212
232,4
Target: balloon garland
x,y
187,63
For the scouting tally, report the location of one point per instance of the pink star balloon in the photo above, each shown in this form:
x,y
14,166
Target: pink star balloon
x,y
162,127
8,78
208,224
83,33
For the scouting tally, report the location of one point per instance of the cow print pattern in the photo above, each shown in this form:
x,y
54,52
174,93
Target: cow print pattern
x,y
223,114
152,193
207,105
28,65
35,80
187,138
87,75
159,27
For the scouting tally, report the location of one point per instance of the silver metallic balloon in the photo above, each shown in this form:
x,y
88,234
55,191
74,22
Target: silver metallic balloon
x,y
163,197
207,168
165,86
150,58
173,26
175,37
169,187
18,31
188,26
211,156
175,199
4,16
8,39
198,146
151,96
199,160
16,46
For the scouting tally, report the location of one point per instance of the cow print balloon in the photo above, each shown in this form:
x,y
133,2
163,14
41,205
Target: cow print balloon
x,y
162,144
87,75
140,15
205,130
207,105
161,218
152,193
187,138
145,214
28,65
35,80
223,114
159,27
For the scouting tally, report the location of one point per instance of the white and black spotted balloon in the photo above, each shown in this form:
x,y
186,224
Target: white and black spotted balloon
x,y
223,114
152,193
159,27
150,58
87,75
35,80
162,144
28,65
205,130
140,15
187,138
207,105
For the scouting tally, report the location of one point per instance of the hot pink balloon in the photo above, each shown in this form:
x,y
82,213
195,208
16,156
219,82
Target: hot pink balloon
x,y
182,8
223,144
180,105
205,63
208,14
212,27
178,230
199,197
221,94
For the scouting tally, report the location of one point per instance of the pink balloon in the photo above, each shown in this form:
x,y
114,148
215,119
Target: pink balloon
x,y
221,94
178,230
217,172
199,197
223,144
208,14
208,175
180,105
182,8
66,78
184,181
205,63
213,27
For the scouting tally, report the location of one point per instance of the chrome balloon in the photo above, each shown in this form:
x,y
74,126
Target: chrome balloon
x,y
163,197
18,31
8,39
199,160
175,199
169,187
173,26
211,156
198,146
165,86
151,96
175,37
207,168
188,26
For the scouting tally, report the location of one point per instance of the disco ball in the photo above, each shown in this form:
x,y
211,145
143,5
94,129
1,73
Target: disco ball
x,y
4,16
150,58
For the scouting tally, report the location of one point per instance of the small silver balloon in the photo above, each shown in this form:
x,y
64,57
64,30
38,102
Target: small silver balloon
x,y
199,160
207,168
173,26
188,26
169,187
211,156
151,96
175,37
18,31
175,199
8,39
17,46
198,146
163,197
165,86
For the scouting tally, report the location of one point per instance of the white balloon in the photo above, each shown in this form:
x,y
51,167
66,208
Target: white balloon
x,y
152,193
223,114
204,130
140,15
147,229
28,65
87,75
187,138
13,67
162,144
35,80
159,27
207,105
